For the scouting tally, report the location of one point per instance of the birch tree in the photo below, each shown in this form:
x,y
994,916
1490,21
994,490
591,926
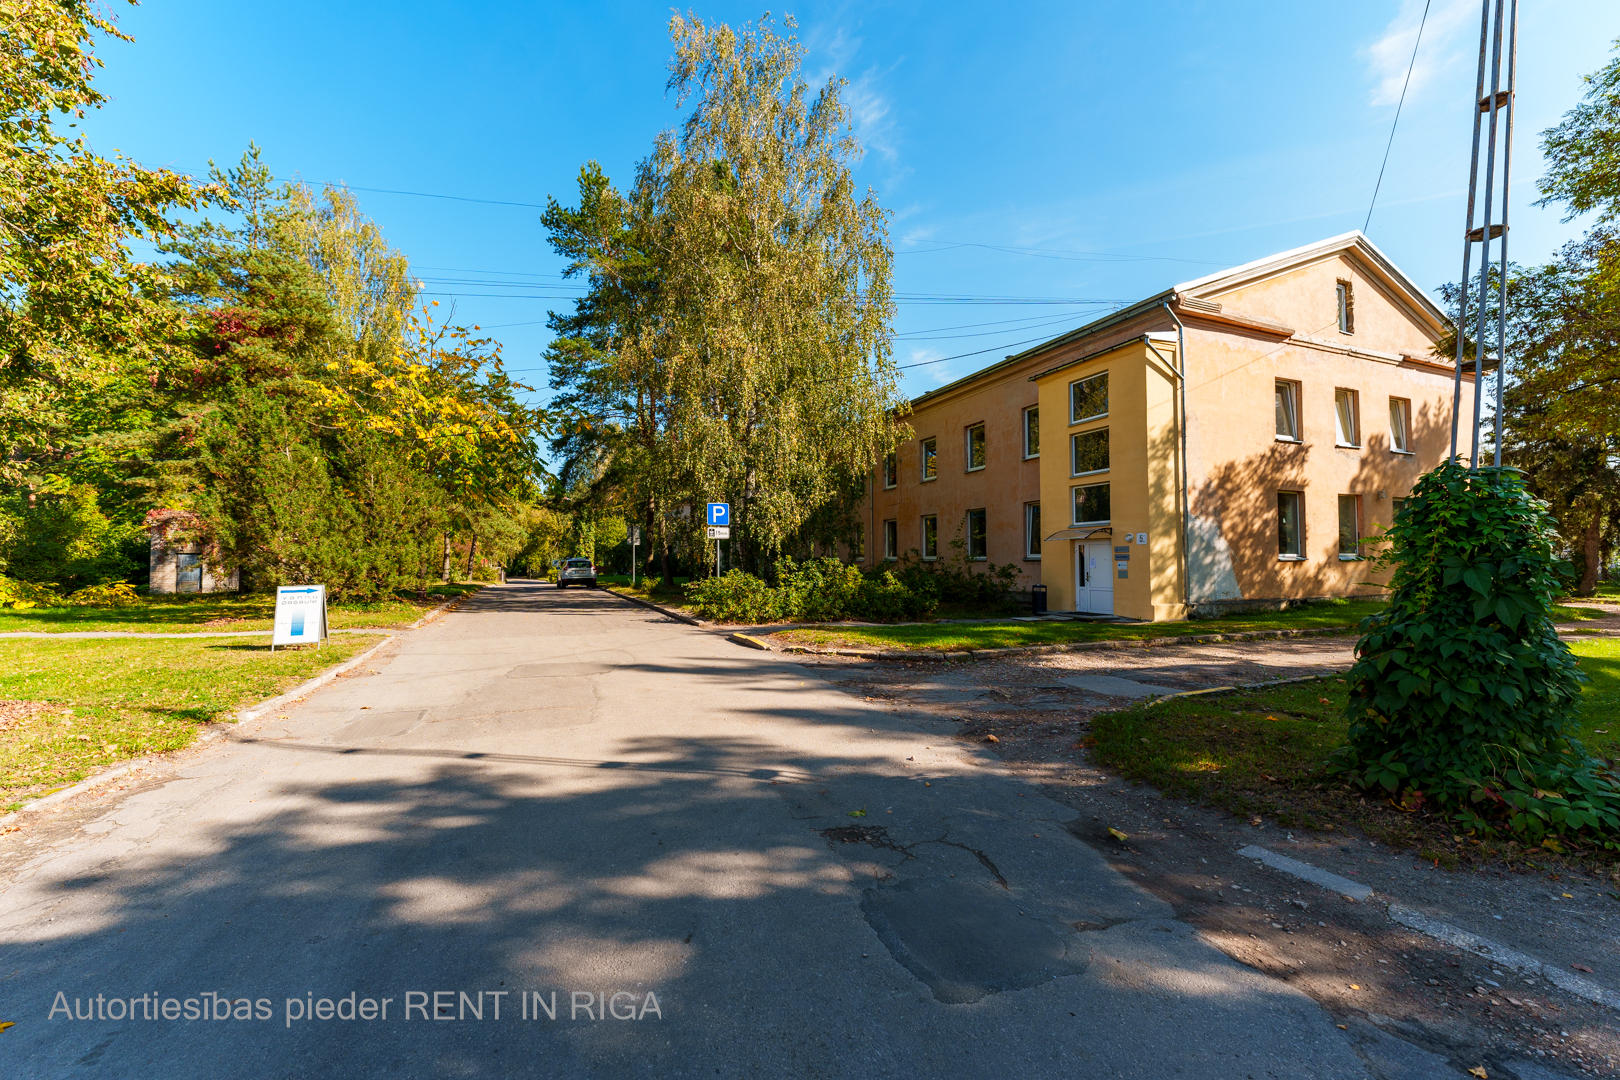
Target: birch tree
x,y
737,326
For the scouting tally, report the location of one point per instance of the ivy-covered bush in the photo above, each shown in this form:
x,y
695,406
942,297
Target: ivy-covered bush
x,y
1462,696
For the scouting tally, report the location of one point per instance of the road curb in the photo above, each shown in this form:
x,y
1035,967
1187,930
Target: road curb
x,y
1072,646
210,733
1434,928
679,616
1501,954
255,711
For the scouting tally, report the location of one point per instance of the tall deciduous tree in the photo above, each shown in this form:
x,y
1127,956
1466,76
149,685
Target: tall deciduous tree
x,y
737,329
72,299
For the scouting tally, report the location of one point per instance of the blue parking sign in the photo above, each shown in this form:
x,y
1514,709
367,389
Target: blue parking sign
x,y
719,513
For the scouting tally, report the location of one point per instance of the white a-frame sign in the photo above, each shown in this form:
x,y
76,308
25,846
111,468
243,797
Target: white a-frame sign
x,y
300,615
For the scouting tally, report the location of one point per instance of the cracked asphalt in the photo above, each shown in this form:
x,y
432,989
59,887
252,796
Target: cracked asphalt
x,y
705,861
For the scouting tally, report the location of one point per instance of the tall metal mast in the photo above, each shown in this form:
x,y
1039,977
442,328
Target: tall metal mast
x,y
1498,56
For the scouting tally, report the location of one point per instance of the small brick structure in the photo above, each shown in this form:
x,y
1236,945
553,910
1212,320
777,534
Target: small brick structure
x,y
180,565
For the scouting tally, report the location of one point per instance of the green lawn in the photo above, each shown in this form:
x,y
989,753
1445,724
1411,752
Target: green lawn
x,y
648,589
219,611
67,707
954,637
1262,752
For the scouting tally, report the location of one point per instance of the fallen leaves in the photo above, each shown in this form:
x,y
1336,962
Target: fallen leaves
x,y
1581,967
1479,1071
857,813
991,738
1117,835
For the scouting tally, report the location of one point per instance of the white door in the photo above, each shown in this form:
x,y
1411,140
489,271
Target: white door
x,y
1094,579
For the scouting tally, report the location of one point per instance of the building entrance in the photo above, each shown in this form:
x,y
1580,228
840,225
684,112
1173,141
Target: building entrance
x,y
1094,578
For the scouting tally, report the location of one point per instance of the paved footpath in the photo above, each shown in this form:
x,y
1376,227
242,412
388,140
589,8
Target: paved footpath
x,y
565,794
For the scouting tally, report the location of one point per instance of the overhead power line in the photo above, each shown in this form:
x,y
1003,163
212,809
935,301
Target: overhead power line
x,y
1410,67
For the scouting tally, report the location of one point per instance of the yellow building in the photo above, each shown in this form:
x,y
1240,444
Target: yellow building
x,y
1309,405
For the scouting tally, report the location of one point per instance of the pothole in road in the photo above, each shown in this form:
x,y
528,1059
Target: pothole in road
x,y
558,671
966,941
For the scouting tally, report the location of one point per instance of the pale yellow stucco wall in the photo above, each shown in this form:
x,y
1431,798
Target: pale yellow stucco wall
x,y
1270,324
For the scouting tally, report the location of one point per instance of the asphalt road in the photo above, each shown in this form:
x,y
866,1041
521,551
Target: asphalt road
x,y
559,793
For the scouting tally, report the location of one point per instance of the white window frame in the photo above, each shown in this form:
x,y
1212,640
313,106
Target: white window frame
x,y
1344,297
1074,444
1035,412
1294,393
985,514
1355,509
1032,531
930,519
967,447
1348,440
1073,419
1299,527
891,471
1074,503
928,455
1400,426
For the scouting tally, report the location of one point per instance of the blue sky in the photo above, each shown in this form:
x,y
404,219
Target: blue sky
x,y
1090,153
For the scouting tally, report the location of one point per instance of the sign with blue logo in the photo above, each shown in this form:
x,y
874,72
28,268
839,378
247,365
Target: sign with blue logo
x,y
719,513
300,615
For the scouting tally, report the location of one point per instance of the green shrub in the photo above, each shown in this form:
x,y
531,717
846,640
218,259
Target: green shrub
x,y
734,596
886,598
64,538
1462,696
820,590
23,595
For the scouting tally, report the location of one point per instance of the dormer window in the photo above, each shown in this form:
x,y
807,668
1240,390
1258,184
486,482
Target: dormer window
x,y
1347,307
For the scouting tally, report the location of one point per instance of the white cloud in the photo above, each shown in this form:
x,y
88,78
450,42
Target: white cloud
x,y
833,49
1448,38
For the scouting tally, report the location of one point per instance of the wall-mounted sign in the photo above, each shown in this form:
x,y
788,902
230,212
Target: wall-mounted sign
x,y
300,615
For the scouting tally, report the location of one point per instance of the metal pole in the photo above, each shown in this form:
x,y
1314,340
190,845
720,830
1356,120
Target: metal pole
x,y
1501,277
1485,236
1468,239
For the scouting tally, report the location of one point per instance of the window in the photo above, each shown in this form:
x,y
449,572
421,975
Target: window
x,y
975,447
930,537
1347,307
1290,530
1346,418
976,538
1091,504
1032,433
1032,530
891,539
1088,398
1396,506
1400,425
1089,451
891,470
1349,527
930,460
187,572
1288,411
857,544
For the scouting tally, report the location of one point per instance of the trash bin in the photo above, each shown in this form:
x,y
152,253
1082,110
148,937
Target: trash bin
x,y
1037,600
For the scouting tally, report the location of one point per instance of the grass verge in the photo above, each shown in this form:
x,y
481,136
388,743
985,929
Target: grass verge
x,y
954,637
220,611
67,707
1262,752
650,589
